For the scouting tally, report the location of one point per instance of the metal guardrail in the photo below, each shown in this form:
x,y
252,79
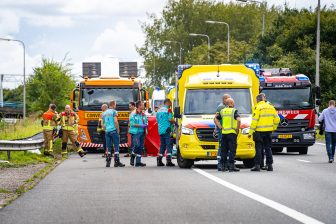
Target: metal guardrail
x,y
20,145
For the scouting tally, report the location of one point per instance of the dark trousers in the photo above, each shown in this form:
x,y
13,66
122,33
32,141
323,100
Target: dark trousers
x,y
102,138
330,138
165,145
263,143
229,146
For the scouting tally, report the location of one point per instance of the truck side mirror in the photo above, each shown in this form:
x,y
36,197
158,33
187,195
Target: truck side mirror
x,y
318,92
318,102
74,106
177,113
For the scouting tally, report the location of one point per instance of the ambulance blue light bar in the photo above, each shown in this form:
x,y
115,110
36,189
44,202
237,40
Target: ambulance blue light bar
x,y
302,77
255,67
180,70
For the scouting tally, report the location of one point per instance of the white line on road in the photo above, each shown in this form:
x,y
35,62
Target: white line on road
x,y
268,202
302,160
318,143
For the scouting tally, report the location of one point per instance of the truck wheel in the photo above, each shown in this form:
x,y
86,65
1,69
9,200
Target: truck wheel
x,y
303,150
184,163
248,163
277,149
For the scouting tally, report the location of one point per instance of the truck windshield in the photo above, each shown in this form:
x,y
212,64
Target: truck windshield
x,y
290,98
206,101
95,97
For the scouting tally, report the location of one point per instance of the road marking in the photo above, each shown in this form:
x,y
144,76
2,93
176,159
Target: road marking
x,y
318,143
302,160
268,202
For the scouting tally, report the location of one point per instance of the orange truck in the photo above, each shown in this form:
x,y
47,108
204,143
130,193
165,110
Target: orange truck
x,y
95,90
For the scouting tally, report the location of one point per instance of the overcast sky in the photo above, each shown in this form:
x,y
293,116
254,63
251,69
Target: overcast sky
x,y
85,30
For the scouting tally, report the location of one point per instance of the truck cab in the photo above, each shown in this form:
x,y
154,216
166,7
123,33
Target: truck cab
x,y
292,97
200,89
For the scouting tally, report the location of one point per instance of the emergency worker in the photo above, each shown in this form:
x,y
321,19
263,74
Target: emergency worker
x,y
69,121
100,128
49,123
132,109
218,132
164,117
264,121
138,126
229,125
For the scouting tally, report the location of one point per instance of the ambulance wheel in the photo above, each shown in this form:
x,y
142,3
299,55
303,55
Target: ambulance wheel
x,y
184,163
303,150
248,163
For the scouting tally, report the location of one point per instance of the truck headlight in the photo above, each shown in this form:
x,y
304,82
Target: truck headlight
x,y
246,131
308,136
187,131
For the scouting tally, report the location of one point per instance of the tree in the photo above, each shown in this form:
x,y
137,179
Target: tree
x,y
51,82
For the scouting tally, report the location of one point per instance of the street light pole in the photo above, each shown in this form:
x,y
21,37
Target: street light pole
x,y
24,72
228,35
263,15
176,42
202,35
317,75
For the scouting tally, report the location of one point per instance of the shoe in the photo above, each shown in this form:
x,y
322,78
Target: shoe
x,y
117,163
132,160
256,168
269,167
104,155
330,160
81,153
263,167
233,168
108,161
159,161
140,164
220,167
169,163
127,155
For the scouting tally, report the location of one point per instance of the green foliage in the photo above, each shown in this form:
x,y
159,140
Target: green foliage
x,y
13,95
21,129
51,83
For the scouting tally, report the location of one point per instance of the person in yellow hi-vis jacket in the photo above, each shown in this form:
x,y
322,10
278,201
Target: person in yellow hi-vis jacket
x,y
49,124
229,126
69,121
265,120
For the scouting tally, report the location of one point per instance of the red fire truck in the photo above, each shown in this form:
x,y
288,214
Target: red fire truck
x,y
292,97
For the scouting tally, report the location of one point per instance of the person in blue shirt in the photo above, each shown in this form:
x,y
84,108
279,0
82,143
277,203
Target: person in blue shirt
x,y
138,128
164,117
111,126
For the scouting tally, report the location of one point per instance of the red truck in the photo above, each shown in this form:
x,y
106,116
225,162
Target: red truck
x,y
292,97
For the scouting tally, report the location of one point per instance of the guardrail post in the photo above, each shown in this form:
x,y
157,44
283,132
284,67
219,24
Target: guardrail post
x,y
8,155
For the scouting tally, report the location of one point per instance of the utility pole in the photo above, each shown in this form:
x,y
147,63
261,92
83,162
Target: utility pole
x,y
203,35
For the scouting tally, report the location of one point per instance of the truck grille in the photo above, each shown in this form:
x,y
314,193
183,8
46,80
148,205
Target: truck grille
x,y
205,134
295,125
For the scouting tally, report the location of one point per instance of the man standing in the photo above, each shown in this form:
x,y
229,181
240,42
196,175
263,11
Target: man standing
x,y
112,131
164,118
230,128
49,124
138,126
132,109
328,116
264,121
69,121
100,129
220,165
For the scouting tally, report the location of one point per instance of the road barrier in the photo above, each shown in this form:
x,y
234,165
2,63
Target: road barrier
x,y
20,145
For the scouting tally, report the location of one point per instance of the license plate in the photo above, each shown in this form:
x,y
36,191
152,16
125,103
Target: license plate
x,y
285,136
213,154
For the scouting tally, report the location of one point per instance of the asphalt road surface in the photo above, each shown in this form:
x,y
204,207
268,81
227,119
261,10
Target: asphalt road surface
x,y
300,190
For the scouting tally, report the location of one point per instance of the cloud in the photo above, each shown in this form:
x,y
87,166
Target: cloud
x,y
9,22
50,21
119,41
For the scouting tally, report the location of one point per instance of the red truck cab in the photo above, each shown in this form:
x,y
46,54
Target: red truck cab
x,y
292,97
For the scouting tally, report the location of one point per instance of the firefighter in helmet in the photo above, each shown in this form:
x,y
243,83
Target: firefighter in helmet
x,y
69,121
49,123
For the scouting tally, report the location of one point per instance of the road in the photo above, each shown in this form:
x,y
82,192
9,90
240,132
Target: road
x,y
300,190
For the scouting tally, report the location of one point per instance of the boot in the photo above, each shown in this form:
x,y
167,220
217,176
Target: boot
x,y
256,168
132,160
233,168
81,153
169,162
269,167
108,161
220,167
140,164
117,162
159,161
263,167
